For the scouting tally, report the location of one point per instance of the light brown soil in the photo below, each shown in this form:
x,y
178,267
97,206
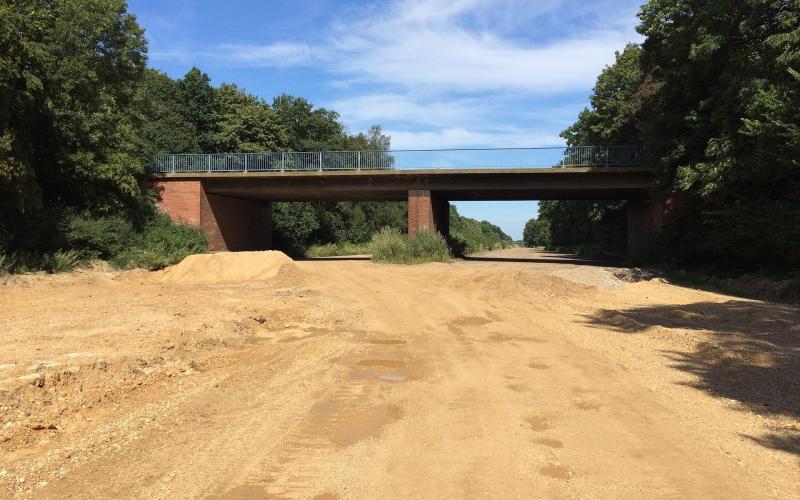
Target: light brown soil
x,y
348,379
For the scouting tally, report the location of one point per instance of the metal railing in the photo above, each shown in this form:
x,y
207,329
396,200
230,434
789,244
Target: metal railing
x,y
433,159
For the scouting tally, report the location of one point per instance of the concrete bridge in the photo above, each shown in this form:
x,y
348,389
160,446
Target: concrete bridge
x,y
229,195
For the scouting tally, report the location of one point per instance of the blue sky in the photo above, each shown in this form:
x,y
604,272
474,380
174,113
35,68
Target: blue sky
x,y
434,74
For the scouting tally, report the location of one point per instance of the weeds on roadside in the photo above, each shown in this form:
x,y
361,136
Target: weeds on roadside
x,y
391,246
58,261
336,249
157,244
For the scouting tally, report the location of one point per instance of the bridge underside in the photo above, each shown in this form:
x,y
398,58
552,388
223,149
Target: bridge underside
x,y
234,209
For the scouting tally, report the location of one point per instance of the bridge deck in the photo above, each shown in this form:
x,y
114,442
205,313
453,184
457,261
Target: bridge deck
x,y
595,183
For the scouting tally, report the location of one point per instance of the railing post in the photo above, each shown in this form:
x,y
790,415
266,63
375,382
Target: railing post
x,y
173,163
209,163
320,161
283,161
245,162
359,162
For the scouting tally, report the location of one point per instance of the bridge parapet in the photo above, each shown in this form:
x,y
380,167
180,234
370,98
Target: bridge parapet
x,y
428,159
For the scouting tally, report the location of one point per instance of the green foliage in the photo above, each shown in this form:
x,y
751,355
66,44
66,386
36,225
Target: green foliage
x,y
471,236
309,129
97,237
391,246
610,120
168,127
713,92
337,249
23,261
245,124
536,233
599,225
199,103
293,225
69,83
573,224
81,116
161,243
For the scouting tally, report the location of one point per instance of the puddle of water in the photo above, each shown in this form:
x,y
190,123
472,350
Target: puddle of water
x,y
255,340
382,363
347,426
537,423
538,366
502,337
550,443
325,496
387,341
470,321
587,404
244,492
393,377
557,471
518,387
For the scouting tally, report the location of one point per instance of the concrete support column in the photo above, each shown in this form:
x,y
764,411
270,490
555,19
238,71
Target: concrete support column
x,y
425,209
230,224
645,218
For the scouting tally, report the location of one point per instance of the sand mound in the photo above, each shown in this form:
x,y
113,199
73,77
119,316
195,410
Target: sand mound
x,y
227,266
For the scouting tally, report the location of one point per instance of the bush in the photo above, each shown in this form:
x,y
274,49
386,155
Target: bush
x,y
536,233
97,237
335,249
21,261
390,245
161,243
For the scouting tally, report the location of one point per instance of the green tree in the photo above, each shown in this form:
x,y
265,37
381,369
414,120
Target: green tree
x,y
715,102
309,129
611,119
167,127
468,235
70,73
199,102
536,233
245,124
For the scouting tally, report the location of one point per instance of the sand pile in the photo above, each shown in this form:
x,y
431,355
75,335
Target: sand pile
x,y
227,266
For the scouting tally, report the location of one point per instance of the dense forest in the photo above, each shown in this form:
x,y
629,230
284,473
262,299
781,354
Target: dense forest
x,y
713,92
81,116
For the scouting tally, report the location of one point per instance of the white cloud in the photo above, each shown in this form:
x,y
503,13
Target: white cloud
x,y
408,108
446,73
451,46
448,46
455,137
276,54
461,61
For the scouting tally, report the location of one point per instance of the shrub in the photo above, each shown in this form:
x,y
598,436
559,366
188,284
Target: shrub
x,y
161,243
26,261
97,237
335,249
390,245
537,233
61,261
428,246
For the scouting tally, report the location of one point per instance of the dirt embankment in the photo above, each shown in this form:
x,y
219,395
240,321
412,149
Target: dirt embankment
x,y
248,375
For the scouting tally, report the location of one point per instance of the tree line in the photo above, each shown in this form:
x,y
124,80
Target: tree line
x,y
81,116
713,92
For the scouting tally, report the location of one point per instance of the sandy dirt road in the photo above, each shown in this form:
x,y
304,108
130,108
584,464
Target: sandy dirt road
x,y
514,376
